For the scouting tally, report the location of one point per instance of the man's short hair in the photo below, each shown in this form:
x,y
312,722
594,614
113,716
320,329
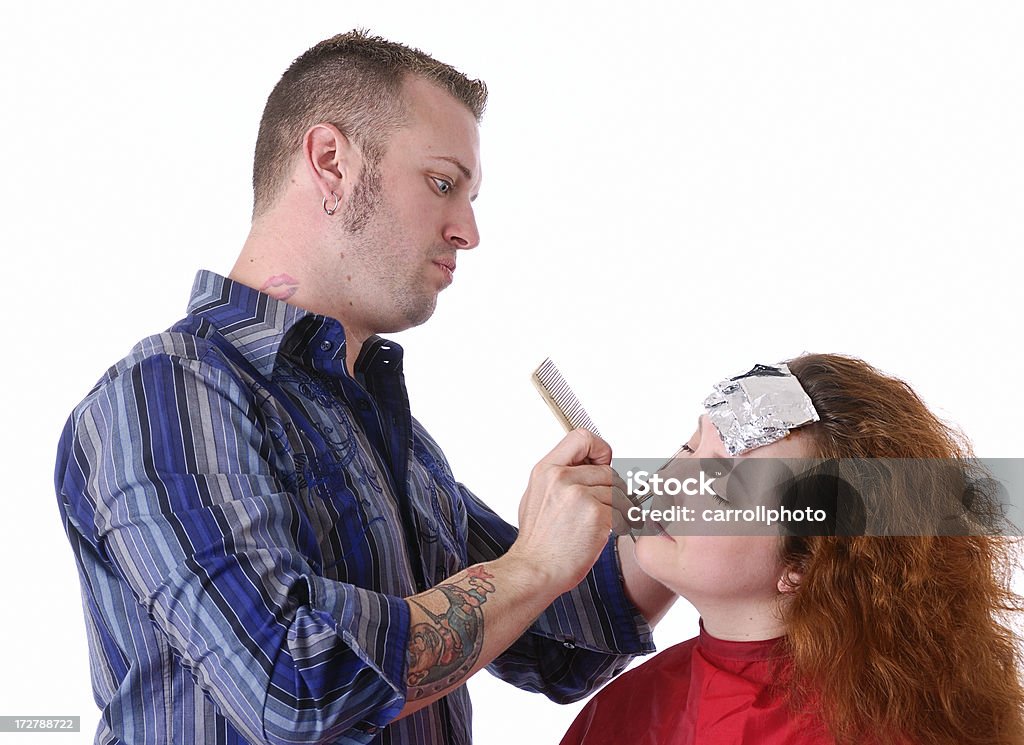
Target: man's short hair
x,y
353,81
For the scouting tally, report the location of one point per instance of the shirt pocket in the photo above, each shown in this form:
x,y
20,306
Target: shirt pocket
x,y
345,519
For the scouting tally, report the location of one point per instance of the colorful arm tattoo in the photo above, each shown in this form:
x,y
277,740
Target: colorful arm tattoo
x,y
443,649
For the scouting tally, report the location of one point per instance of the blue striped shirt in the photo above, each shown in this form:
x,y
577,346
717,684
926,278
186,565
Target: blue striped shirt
x,y
247,519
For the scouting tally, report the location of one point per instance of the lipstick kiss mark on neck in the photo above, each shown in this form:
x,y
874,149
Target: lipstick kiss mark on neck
x,y
280,286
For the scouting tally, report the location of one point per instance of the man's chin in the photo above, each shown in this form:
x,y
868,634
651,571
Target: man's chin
x,y
417,315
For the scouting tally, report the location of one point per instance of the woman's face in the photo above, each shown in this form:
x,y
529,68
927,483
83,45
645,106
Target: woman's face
x,y
717,568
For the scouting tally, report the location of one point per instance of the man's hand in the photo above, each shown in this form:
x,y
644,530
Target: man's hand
x,y
566,513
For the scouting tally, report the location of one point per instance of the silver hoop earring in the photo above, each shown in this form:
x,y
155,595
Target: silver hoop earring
x,y
331,210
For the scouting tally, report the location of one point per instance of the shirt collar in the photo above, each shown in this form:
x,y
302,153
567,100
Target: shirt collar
x,y
252,321
258,325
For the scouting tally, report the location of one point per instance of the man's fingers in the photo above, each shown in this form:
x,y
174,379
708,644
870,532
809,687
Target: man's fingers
x,y
580,446
585,475
623,504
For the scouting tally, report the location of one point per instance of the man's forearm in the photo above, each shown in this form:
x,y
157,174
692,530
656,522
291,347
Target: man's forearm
x,y
463,623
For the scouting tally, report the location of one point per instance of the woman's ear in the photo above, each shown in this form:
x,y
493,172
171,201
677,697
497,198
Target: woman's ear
x,y
789,581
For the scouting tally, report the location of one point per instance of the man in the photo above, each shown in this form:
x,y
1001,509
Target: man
x,y
271,548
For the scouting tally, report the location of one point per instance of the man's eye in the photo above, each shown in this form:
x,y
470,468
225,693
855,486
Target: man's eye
x,y
442,185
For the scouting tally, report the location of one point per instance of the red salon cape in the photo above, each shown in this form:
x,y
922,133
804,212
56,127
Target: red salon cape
x,y
704,690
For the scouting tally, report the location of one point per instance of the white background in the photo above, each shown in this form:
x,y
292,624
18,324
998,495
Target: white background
x,y
670,195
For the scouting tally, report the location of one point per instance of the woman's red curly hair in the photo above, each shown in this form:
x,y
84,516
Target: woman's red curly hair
x,y
893,638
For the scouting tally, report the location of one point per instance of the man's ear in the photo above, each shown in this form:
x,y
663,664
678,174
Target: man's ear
x,y
331,160
789,581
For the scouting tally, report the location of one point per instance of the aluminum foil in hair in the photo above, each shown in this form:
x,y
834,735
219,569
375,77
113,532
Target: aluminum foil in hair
x,y
758,407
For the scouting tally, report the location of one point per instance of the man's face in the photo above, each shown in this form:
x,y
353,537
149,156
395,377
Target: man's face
x,y
408,216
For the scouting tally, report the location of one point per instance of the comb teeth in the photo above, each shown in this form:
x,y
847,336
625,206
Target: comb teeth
x,y
559,395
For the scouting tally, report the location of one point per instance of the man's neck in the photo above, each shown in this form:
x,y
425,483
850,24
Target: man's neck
x,y
352,349
271,261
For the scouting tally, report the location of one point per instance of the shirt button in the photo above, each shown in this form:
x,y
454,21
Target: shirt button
x,y
326,345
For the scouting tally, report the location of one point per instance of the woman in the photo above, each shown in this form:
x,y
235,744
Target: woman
x,y
827,638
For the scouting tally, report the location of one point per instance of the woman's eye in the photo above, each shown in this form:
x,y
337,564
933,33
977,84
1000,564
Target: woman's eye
x,y
444,186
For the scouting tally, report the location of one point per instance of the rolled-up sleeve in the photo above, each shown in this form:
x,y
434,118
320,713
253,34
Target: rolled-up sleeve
x,y
583,639
168,477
